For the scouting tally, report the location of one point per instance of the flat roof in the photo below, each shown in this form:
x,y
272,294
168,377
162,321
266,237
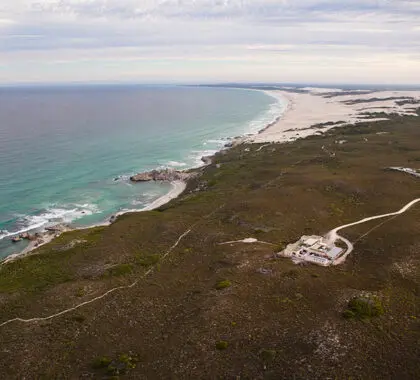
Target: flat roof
x,y
317,259
334,252
311,241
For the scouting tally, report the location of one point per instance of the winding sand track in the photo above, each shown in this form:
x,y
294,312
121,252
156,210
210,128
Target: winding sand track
x,y
169,251
332,236
39,319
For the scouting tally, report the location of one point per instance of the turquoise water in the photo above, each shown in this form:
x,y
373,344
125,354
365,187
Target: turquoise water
x,y
66,153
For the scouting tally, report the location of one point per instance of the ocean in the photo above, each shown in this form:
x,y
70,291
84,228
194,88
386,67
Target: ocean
x,y
66,153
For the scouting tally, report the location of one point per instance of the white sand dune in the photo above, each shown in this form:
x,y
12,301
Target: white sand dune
x,y
305,110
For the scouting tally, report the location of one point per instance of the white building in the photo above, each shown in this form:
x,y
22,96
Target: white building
x,y
313,249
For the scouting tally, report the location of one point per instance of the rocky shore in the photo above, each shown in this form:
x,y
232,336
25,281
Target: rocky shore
x,y
36,240
164,175
177,178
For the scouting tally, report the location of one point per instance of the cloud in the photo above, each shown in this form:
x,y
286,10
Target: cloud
x,y
252,34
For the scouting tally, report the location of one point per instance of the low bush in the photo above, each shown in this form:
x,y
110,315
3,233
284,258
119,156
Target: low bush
x,y
363,308
280,247
148,261
222,345
115,367
268,355
101,362
223,284
119,270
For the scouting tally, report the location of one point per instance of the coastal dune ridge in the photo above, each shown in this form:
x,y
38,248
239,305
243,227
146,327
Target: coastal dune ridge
x,y
306,111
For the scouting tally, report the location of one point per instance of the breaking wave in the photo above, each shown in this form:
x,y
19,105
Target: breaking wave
x,y
50,216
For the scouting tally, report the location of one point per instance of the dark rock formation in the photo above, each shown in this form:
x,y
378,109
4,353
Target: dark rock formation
x,y
168,175
207,160
57,228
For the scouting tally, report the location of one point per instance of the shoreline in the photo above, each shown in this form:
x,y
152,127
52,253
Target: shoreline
x,y
302,111
177,189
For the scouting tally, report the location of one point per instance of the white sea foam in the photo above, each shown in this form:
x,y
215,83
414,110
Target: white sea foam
x,y
177,187
254,126
275,111
176,164
137,202
123,177
52,215
196,156
147,198
4,233
216,141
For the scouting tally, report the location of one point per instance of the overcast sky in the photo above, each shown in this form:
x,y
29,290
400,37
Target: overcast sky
x,y
165,41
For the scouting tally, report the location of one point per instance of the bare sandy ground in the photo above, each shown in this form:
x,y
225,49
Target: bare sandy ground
x,y
305,110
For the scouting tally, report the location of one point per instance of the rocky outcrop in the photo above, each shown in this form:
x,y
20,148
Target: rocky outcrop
x,y
57,228
38,237
167,175
207,160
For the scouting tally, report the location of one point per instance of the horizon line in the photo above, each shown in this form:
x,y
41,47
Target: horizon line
x,y
204,83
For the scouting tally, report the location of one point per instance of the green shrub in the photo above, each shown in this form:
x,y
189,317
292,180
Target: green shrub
x,y
348,314
78,318
292,274
222,345
268,355
116,367
122,364
223,284
101,362
120,270
363,308
148,261
280,247
128,360
94,235
80,292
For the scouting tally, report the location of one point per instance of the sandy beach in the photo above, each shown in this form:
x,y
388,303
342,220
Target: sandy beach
x,y
177,188
319,106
